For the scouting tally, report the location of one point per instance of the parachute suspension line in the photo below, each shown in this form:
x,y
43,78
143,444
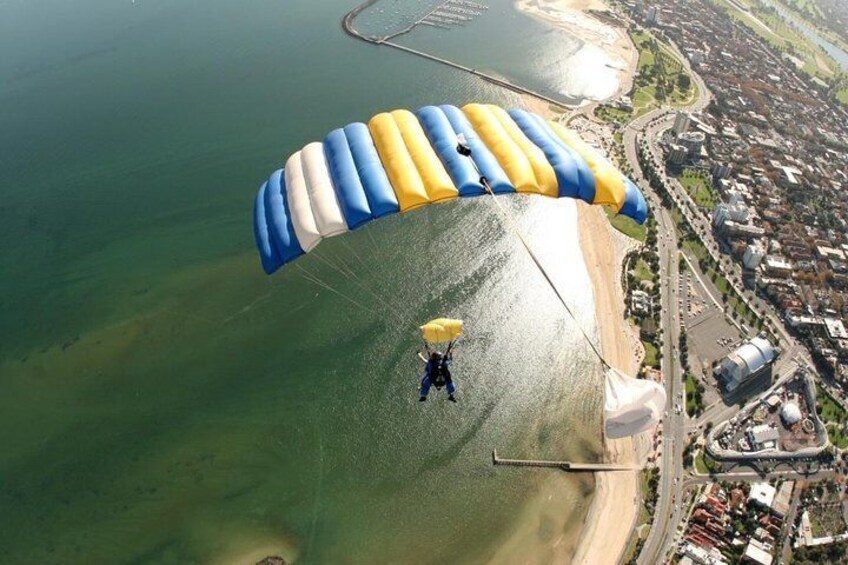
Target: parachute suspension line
x,y
315,280
510,220
352,251
393,310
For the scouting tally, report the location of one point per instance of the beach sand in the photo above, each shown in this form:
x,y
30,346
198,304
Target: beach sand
x,y
613,508
572,16
615,504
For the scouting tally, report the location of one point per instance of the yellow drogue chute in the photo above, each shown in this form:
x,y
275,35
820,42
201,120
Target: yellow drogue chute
x,y
441,330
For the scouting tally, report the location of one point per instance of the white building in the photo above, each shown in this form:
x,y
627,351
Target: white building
x,y
758,552
748,360
681,123
763,437
753,255
763,494
790,413
776,265
835,328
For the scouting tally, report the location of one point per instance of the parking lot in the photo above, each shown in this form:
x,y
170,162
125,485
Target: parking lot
x,y
709,334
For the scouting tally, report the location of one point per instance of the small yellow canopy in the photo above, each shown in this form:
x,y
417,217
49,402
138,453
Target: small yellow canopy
x,y
441,330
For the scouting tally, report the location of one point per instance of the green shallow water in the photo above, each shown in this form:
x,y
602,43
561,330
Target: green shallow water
x,y
165,401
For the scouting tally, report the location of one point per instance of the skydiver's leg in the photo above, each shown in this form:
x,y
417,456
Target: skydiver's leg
x,y
451,389
425,388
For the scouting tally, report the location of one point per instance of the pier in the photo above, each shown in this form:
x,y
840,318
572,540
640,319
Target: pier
x,y
427,20
567,466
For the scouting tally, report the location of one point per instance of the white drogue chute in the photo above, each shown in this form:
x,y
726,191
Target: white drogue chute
x,y
631,405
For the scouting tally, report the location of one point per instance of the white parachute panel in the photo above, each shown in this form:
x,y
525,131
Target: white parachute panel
x,y
631,406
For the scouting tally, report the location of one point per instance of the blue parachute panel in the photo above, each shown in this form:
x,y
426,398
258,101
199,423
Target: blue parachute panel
x,y
346,181
443,139
634,205
267,252
563,164
587,177
378,190
280,228
486,162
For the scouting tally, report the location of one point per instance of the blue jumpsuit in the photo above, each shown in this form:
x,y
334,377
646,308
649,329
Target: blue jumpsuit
x,y
431,373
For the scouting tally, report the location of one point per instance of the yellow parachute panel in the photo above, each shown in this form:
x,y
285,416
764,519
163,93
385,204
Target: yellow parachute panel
x,y
433,174
510,157
609,186
544,173
441,330
398,163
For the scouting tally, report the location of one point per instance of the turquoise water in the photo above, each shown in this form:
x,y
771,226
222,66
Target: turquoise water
x,y
164,400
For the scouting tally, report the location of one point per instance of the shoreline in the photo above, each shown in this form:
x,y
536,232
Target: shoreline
x,y
615,502
574,17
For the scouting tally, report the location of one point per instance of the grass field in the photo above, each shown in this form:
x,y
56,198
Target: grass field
x,y
699,188
651,354
643,272
830,410
838,436
704,464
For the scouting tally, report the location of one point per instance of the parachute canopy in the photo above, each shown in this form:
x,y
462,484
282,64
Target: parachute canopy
x,y
631,405
403,160
441,330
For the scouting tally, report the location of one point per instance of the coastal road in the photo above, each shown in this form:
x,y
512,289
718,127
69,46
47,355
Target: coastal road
x,y
669,510
673,425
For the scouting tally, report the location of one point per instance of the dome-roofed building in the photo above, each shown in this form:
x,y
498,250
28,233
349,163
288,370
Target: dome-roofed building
x,y
790,414
748,360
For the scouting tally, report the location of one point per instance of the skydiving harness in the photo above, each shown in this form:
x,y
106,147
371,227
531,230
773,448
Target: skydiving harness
x,y
465,150
439,373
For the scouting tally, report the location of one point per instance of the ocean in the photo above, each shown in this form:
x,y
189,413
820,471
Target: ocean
x,y
164,400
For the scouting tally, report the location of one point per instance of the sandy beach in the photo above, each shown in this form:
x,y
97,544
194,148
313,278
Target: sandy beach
x,y
614,506
573,16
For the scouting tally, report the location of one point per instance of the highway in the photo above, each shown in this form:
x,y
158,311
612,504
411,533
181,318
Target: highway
x,y
670,513
669,510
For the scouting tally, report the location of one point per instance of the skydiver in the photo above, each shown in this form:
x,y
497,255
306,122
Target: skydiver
x,y
437,373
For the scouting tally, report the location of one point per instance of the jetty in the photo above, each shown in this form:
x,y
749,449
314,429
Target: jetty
x,y
440,17
568,466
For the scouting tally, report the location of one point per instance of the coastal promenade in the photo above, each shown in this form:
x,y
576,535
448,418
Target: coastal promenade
x,y
350,29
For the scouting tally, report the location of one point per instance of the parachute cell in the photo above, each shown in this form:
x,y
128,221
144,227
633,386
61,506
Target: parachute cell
x,y
401,161
441,330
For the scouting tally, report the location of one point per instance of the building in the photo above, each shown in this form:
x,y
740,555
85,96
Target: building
x,y
753,256
693,141
762,494
835,328
652,15
776,266
719,171
681,123
747,361
677,154
783,499
790,413
703,556
763,437
758,552
737,212
640,301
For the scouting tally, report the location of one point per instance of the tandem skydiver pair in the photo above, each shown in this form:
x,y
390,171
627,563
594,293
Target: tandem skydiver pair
x,y
437,370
